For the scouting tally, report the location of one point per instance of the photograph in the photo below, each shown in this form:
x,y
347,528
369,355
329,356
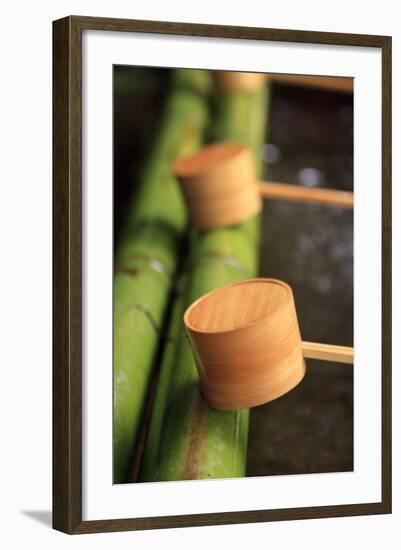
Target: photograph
x,y
200,282
233,274
222,269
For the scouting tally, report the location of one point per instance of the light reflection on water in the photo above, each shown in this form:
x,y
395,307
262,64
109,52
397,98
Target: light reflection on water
x,y
311,248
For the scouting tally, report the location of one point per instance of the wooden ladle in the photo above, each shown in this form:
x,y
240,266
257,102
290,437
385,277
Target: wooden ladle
x,y
234,81
220,187
247,344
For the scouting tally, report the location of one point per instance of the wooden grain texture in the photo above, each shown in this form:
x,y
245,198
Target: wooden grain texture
x,y
219,185
229,31
328,352
230,518
386,46
67,277
246,342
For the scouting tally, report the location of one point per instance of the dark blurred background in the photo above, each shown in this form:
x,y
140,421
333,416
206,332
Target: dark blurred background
x,y
309,142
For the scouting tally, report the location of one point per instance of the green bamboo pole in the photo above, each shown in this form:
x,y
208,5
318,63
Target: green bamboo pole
x,y
147,256
187,439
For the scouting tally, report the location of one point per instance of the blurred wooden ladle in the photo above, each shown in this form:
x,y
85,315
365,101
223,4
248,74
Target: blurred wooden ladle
x,y
233,81
247,345
220,187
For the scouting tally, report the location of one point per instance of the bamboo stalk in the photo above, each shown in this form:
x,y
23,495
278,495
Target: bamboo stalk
x,y
328,352
187,439
146,259
297,193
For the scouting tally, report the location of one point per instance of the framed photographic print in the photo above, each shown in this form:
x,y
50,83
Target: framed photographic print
x,y
222,274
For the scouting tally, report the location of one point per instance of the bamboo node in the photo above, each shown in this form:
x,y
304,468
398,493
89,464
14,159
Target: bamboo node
x,y
145,310
154,263
229,260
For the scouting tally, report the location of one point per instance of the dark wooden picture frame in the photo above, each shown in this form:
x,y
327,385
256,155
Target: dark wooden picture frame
x,y
67,274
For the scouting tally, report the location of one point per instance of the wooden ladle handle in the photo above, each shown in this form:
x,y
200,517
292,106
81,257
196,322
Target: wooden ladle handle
x,y
220,187
297,193
328,352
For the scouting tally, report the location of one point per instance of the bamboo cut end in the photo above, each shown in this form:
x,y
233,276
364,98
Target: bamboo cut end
x,y
234,81
237,306
219,185
208,158
246,343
